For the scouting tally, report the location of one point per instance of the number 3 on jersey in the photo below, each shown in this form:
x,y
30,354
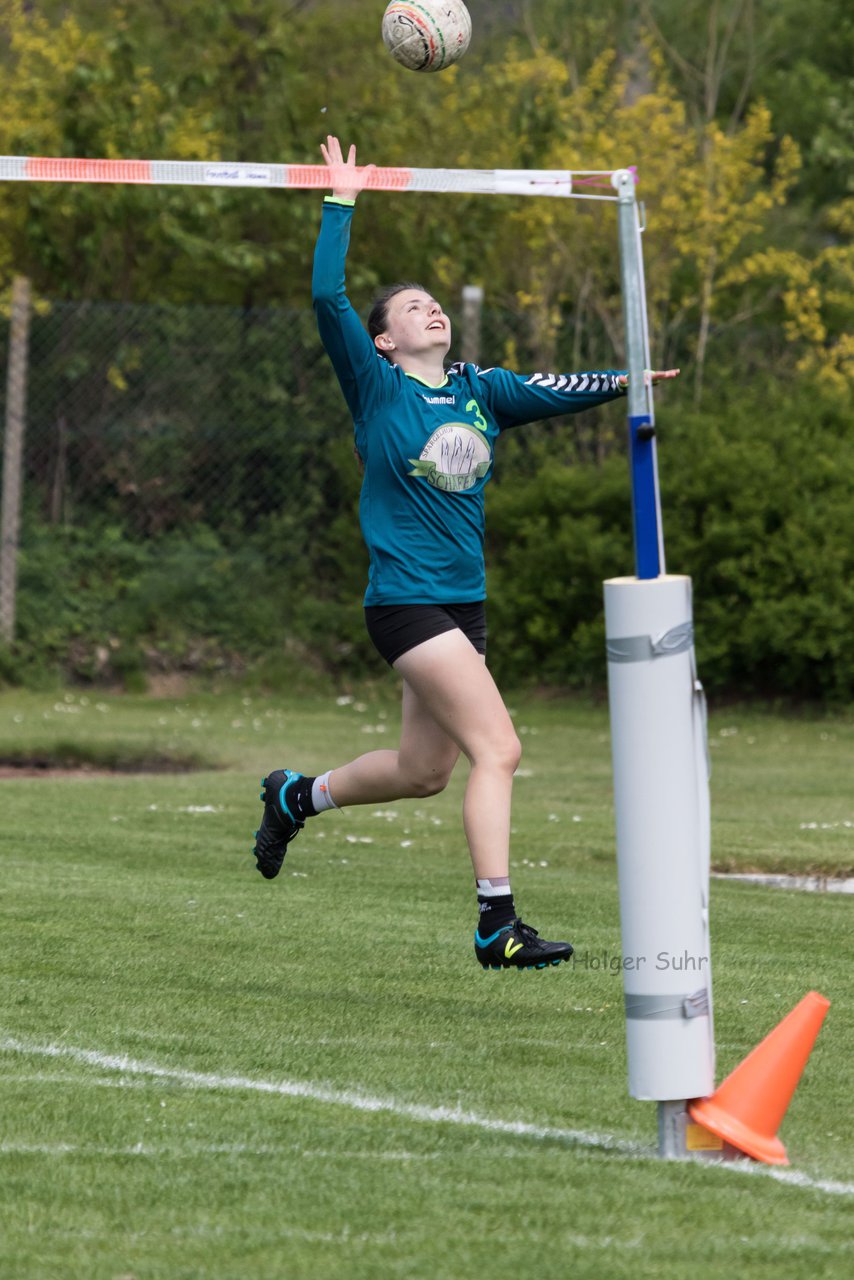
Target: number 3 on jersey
x,y
479,420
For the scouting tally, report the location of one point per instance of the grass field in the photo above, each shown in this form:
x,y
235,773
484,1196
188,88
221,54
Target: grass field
x,y
203,1074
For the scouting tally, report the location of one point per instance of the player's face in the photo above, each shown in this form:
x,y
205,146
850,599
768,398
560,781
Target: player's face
x,y
415,325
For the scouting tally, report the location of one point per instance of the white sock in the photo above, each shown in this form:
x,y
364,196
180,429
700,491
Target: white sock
x,y
498,887
321,796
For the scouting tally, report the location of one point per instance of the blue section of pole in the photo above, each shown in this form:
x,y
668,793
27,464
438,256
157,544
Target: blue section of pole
x,y
644,499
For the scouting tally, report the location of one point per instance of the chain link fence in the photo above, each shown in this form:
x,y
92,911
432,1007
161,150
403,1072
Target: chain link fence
x,y
175,461
188,491
158,418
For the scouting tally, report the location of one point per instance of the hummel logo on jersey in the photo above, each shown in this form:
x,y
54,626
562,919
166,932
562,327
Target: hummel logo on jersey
x,y
440,399
510,950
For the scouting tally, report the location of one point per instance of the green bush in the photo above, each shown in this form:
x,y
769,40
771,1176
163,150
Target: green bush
x,y
553,537
757,510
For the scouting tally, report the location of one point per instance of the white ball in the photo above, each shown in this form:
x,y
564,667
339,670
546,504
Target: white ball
x,y
426,35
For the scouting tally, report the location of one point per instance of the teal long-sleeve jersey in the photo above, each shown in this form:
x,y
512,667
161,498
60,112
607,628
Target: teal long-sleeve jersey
x,y
427,450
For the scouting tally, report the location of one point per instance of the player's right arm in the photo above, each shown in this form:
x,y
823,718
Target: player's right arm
x,y
362,372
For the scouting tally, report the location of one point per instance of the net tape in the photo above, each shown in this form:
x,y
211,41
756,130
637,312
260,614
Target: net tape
x,y
527,182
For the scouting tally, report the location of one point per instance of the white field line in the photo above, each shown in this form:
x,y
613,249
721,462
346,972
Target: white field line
x,y
137,1149
356,1101
315,1092
192,1149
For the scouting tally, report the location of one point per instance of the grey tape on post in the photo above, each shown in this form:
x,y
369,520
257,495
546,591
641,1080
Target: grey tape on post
x,y
644,648
659,1008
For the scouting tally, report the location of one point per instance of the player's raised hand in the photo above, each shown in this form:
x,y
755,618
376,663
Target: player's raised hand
x,y
346,179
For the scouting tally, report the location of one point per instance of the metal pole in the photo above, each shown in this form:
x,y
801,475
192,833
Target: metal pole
x,y
643,773
16,407
646,505
646,502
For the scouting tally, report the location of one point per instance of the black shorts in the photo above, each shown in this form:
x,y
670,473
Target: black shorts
x,y
397,628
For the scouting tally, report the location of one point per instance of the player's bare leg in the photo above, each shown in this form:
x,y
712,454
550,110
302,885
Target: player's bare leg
x,y
451,704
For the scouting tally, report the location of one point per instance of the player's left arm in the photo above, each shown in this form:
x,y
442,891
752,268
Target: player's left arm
x,y
515,398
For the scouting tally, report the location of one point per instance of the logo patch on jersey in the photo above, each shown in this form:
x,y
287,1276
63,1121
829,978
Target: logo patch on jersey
x,y
454,458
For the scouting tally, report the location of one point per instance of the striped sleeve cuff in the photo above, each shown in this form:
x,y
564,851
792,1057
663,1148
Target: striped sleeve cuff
x,y
345,200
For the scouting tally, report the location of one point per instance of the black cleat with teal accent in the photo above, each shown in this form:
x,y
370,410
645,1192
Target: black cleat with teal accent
x,y
518,946
278,826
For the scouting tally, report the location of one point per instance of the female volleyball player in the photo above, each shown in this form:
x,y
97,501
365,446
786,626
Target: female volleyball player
x,y
426,437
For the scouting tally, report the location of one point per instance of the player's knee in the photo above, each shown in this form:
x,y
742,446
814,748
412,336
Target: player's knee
x,y
506,753
427,779
514,753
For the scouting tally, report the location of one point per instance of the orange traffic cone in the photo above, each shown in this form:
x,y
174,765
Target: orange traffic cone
x,y
746,1110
